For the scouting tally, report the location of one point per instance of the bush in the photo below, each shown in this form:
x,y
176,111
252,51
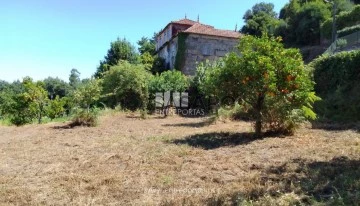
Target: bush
x,y
201,95
55,108
236,112
169,81
20,111
268,80
87,93
338,84
126,85
85,118
348,31
343,20
172,81
26,104
159,65
341,43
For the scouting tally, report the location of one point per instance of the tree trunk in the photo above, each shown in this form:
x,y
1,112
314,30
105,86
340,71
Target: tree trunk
x,y
258,111
40,114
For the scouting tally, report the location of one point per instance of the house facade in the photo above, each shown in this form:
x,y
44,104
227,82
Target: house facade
x,y
185,43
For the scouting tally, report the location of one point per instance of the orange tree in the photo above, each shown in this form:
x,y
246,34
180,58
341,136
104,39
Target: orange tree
x,y
266,78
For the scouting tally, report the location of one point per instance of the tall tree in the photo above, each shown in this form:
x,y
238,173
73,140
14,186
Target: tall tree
x,y
260,19
74,78
120,50
56,87
37,95
303,19
307,22
146,45
3,85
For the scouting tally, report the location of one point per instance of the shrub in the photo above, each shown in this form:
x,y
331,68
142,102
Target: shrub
x,y
37,95
202,95
348,31
25,105
343,20
19,110
269,80
88,93
338,84
235,112
85,118
126,84
159,65
55,108
341,43
169,81
173,81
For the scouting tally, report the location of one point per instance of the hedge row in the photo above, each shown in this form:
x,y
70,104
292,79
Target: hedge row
x,y
338,84
348,30
343,20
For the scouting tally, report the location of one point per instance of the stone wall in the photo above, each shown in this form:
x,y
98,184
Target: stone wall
x,y
168,52
164,37
200,48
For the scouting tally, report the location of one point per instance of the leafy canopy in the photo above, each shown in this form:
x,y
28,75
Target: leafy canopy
x,y
260,19
169,81
266,78
37,95
88,93
146,45
57,87
126,85
120,50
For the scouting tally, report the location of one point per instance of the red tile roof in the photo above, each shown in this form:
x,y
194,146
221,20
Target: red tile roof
x,y
199,28
184,22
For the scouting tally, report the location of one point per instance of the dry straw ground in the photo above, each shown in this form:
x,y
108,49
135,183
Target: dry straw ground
x,y
175,161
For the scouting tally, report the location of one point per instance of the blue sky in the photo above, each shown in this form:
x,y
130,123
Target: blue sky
x,y
41,38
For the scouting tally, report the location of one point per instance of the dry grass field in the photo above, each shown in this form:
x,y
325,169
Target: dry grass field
x,y
176,161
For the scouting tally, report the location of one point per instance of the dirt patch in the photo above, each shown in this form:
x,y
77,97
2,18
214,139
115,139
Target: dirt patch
x,y
173,161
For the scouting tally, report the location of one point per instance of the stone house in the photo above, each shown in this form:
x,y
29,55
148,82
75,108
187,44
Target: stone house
x,y
185,43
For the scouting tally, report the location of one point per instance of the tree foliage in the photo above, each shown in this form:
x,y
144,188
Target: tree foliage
x,y
21,104
307,23
120,50
147,60
55,108
159,65
268,80
146,45
19,110
74,78
261,19
303,19
37,95
126,85
3,85
169,81
57,87
343,20
88,93
338,84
